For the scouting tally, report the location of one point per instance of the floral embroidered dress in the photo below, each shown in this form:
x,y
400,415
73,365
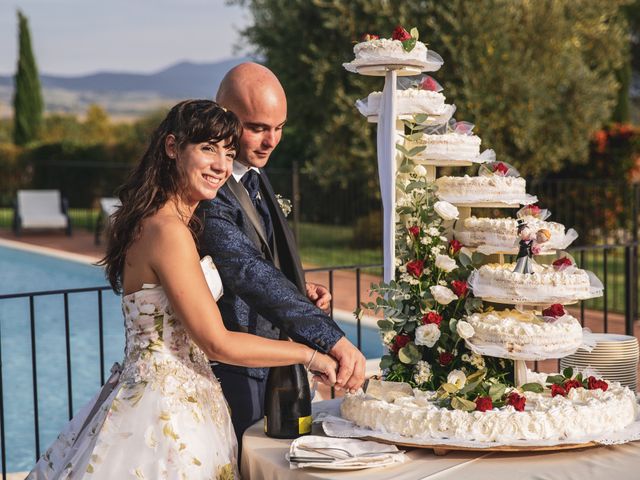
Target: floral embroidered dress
x,y
162,415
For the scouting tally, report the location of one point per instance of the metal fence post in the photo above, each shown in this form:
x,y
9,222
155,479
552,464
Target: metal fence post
x,y
629,292
295,194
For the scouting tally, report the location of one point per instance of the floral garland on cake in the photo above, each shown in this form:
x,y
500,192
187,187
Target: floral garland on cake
x,y
423,307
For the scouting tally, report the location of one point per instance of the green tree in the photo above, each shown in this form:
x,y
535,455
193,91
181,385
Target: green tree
x,y
536,77
27,99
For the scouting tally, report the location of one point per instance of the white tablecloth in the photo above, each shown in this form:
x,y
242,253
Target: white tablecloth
x,y
263,458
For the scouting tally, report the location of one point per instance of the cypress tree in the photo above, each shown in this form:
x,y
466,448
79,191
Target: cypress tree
x,y
27,99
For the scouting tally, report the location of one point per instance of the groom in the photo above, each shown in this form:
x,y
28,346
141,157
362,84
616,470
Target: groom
x,y
248,237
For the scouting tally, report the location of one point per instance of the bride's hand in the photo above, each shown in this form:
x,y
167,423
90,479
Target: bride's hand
x,y
324,368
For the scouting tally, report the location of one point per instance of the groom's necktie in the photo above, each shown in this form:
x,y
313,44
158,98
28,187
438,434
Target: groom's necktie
x,y
251,182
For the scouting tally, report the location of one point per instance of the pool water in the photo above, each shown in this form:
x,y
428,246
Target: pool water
x,y
23,271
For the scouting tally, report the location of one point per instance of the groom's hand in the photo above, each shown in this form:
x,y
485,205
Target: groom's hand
x,y
320,296
351,365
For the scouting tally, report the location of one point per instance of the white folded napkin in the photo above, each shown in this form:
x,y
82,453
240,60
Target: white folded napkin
x,y
364,453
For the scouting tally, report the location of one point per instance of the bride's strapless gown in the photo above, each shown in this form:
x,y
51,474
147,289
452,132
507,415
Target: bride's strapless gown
x,y
161,416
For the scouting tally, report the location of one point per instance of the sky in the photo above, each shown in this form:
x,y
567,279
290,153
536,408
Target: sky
x,y
74,37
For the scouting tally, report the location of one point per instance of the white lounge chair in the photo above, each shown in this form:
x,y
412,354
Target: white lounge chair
x,y
108,206
40,209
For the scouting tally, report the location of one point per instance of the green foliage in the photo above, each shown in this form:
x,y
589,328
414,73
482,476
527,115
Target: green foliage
x,y
536,77
27,101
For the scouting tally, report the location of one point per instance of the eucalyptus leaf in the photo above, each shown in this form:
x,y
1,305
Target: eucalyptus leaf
x,y
449,388
532,387
421,117
401,149
385,325
416,150
477,375
409,44
477,258
386,361
465,261
496,391
568,372
409,327
414,137
557,379
463,404
409,354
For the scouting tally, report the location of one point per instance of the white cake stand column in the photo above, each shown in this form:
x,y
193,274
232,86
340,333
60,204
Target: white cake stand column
x,y
387,137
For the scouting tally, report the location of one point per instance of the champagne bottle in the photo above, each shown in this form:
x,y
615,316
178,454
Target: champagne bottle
x,y
287,403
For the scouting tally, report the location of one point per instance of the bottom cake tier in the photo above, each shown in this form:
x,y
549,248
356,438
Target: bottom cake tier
x,y
580,415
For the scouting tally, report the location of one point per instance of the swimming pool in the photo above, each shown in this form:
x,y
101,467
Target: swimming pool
x,y
26,271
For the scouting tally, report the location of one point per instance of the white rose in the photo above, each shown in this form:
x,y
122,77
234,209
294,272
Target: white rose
x,y
446,263
420,170
446,211
388,336
465,329
443,295
457,378
427,334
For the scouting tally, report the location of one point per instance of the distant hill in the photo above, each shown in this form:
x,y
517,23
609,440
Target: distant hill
x,y
128,94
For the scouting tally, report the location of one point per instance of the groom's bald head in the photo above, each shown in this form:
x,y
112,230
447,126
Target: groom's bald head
x,y
256,96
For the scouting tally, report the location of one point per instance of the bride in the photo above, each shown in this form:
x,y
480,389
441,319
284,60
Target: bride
x,y
162,414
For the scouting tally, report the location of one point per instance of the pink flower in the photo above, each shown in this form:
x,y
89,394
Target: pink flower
x,y
415,267
400,34
483,404
460,288
454,246
400,341
532,210
445,358
562,263
432,317
500,169
556,310
594,383
429,83
414,231
557,390
573,383
516,401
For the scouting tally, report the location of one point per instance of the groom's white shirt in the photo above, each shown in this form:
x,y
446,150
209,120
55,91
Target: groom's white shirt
x,y
240,169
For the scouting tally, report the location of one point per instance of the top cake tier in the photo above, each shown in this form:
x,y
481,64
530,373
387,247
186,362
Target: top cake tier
x,y
372,57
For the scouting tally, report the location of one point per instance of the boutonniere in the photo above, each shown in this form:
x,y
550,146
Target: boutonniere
x,y
284,204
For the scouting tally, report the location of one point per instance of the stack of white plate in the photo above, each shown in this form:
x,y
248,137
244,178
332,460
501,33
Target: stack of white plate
x,y
614,358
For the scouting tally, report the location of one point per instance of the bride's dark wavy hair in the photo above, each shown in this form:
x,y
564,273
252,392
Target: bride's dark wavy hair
x,y
157,177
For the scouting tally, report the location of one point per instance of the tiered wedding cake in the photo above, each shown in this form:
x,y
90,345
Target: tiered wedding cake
x,y
455,367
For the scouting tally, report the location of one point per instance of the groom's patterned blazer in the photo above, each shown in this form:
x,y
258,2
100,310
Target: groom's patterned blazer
x,y
264,285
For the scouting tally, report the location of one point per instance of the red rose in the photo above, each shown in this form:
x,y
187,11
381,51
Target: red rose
x,y
415,267
556,310
432,317
445,358
562,263
516,401
400,34
454,246
532,210
573,383
460,288
483,404
500,168
400,341
557,390
594,383
414,231
429,83
369,36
